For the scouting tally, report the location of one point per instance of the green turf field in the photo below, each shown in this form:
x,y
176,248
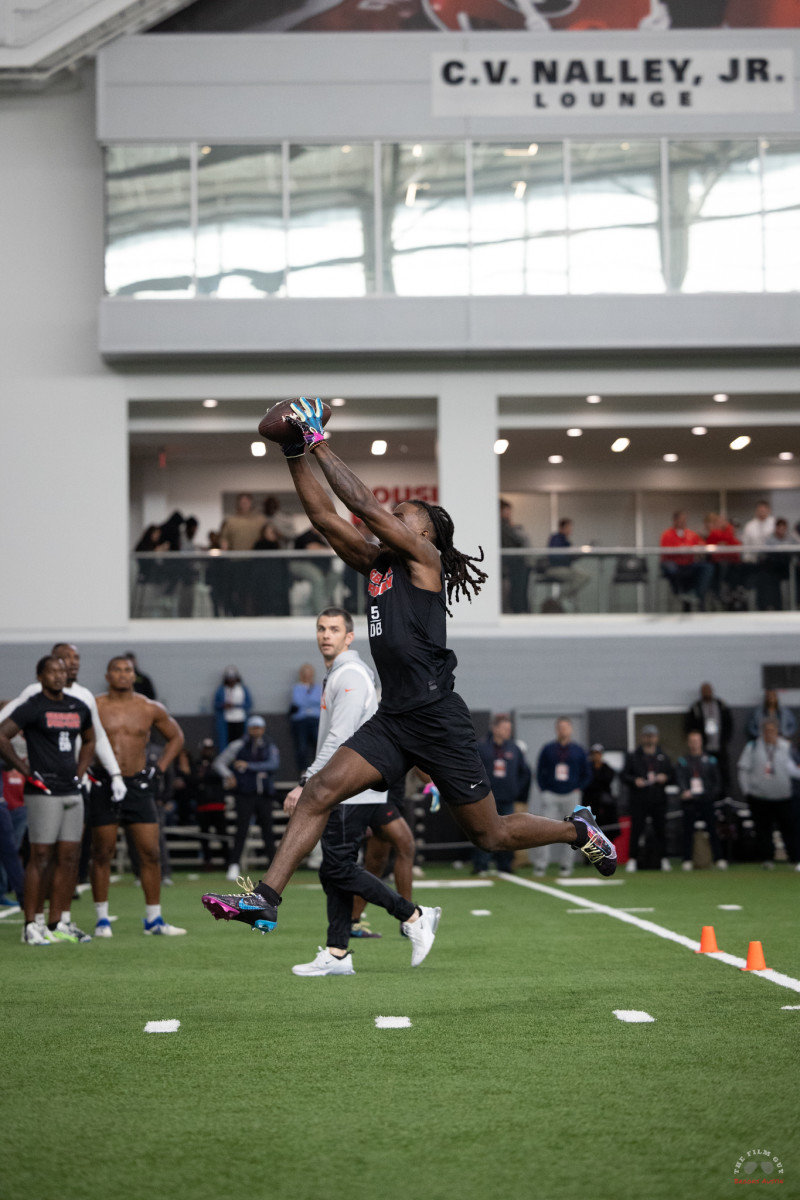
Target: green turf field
x,y
515,1079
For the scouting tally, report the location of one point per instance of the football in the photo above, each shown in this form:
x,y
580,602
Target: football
x,y
275,428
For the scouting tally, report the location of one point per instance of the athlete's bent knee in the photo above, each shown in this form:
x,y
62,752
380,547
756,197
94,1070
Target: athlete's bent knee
x,y
317,796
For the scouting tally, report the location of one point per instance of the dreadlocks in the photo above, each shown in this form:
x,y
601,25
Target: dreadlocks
x,y
459,573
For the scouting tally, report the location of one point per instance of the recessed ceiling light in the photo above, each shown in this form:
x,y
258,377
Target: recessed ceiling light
x,y
338,402
670,458
555,458
210,403
720,397
416,151
575,432
624,145
593,399
258,449
379,447
501,445
786,456
620,444
699,430
740,442
520,187
205,149
346,149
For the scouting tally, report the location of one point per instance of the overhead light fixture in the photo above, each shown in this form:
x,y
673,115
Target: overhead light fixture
x,y
516,152
416,151
210,403
346,149
520,188
555,458
620,444
593,399
624,145
670,457
205,149
379,447
501,445
338,402
740,442
258,449
533,149
699,430
575,432
411,195
786,456
720,397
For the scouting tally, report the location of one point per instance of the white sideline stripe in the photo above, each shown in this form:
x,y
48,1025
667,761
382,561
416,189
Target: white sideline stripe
x,y
453,883
650,927
790,1007
162,1027
581,882
634,1016
730,907
481,912
9,912
393,1022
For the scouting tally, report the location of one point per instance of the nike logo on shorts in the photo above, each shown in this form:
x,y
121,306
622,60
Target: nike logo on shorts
x,y
473,785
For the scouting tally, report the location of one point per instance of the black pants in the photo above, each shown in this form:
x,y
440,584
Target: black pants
x,y
249,805
779,813
699,810
213,819
654,807
342,877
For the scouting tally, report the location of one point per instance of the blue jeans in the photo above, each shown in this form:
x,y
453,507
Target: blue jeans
x,y
11,875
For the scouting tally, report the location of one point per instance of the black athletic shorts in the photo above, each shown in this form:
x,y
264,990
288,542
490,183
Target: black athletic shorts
x,y
380,814
439,739
138,807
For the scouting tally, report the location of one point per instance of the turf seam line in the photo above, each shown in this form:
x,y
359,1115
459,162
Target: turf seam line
x,y
650,927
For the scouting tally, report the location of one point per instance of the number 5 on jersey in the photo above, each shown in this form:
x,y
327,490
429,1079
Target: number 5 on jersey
x,y
375,626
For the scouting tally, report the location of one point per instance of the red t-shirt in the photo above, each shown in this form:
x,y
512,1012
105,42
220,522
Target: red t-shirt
x,y
724,537
680,537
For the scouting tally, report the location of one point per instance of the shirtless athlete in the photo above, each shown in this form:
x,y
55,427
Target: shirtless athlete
x,y
127,718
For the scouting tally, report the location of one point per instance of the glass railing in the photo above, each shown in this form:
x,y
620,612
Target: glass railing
x,y
586,579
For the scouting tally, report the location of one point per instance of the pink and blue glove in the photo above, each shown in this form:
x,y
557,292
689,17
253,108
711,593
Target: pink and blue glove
x,y
431,790
308,421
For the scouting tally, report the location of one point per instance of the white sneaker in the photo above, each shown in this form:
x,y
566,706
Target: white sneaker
x,y
539,873
565,872
631,866
688,865
35,935
78,933
421,934
666,865
326,964
159,925
103,928
233,873
722,864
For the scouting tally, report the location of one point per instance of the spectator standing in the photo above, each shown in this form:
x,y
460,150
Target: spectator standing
x,y
776,567
209,799
562,772
712,719
240,532
247,767
281,522
562,567
510,776
598,794
11,874
698,778
270,576
766,770
755,533
726,564
515,566
233,705
771,709
304,716
646,773
685,572
142,683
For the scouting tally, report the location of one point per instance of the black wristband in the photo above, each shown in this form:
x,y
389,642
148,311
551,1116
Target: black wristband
x,y
303,780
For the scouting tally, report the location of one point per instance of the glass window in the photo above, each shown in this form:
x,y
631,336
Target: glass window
x,y
518,220
241,241
149,246
614,225
782,216
715,217
426,222
331,221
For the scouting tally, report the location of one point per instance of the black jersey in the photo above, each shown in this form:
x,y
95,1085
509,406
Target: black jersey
x,y
51,728
407,637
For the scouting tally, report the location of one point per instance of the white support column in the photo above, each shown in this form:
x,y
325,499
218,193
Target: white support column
x,y
469,484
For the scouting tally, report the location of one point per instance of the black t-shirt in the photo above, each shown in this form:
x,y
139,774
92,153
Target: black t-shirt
x,y
51,728
407,637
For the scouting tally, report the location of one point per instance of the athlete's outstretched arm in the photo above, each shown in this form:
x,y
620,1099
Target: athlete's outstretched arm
x,y
348,543
360,500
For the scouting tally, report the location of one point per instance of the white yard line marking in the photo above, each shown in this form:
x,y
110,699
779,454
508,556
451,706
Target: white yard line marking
x,y
586,912
453,883
730,907
650,927
633,1016
481,912
393,1022
9,912
582,882
790,1007
162,1027
637,910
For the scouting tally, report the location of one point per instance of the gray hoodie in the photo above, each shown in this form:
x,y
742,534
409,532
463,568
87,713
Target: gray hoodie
x,y
348,700
766,772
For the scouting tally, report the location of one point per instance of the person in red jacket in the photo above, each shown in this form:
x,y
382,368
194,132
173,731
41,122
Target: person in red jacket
x,y
685,572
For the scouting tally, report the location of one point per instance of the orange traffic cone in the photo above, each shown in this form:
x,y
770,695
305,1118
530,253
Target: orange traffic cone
x,y
708,941
755,958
